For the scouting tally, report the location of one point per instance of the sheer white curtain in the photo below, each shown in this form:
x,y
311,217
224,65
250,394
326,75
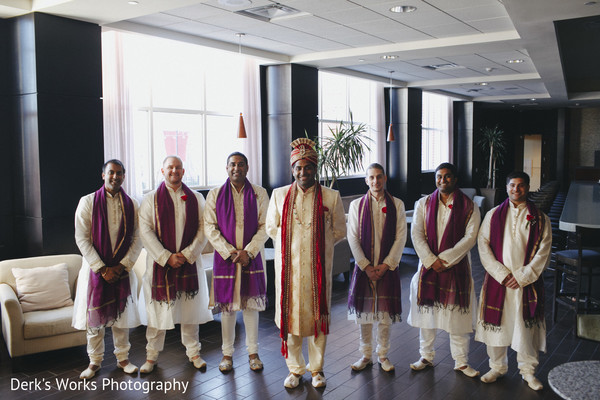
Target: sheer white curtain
x,y
251,110
378,147
118,124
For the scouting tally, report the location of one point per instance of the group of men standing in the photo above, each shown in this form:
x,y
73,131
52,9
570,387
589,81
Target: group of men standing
x,y
305,221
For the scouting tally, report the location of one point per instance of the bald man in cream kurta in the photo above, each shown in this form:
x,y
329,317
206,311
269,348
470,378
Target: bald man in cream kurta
x,y
301,320
161,316
525,341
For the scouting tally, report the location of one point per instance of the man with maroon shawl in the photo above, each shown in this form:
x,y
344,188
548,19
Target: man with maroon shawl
x,y
444,230
174,285
514,243
376,235
305,221
234,222
106,232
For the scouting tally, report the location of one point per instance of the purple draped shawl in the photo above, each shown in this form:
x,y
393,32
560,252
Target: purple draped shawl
x,y
107,301
252,284
383,295
452,287
494,292
170,283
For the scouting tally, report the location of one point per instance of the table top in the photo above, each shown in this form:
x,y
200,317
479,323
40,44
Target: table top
x,y
582,206
578,380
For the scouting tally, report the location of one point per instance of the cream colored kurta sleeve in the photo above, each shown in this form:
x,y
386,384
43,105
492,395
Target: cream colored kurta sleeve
x,y
273,217
211,227
135,249
495,268
83,231
393,258
531,272
339,220
418,235
461,249
354,236
260,237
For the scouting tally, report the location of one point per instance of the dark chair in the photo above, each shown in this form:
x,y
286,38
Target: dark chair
x,y
580,266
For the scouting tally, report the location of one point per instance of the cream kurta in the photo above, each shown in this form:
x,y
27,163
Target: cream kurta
x,y
301,310
452,321
92,261
378,218
516,233
183,311
224,248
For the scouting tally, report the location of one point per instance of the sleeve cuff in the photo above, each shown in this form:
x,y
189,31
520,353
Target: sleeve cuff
x,y
362,264
97,266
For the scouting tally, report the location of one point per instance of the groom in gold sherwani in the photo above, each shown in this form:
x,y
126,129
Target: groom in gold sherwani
x,y
305,221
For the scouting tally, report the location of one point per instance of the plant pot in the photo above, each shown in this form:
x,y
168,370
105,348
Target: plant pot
x,y
492,198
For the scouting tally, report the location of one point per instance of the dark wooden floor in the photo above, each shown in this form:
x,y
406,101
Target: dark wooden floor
x,y
441,382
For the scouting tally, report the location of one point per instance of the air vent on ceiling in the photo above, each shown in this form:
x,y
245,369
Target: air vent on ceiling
x,y
271,12
442,67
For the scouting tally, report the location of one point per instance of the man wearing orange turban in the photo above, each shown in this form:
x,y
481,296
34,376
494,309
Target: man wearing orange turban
x,y
305,221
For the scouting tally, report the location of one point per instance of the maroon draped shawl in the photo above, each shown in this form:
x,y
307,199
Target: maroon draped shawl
x,y
366,296
317,252
252,285
494,292
452,287
107,301
170,283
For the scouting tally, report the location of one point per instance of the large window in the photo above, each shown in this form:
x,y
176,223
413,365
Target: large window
x,y
186,101
436,131
340,95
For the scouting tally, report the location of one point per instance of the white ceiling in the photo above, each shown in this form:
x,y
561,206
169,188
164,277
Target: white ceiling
x,y
478,36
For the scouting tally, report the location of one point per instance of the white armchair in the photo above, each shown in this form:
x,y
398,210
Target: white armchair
x,y
37,331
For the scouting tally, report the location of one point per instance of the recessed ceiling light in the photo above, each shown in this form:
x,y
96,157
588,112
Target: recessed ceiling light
x,y
482,84
361,60
403,9
590,3
133,3
516,61
389,57
533,99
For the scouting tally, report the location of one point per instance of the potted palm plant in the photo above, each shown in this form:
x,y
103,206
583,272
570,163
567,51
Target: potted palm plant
x,y
343,151
492,143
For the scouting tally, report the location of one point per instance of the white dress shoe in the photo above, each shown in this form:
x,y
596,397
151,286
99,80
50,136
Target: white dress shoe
x,y
199,363
467,370
386,365
89,373
361,364
318,380
147,367
491,376
533,382
292,381
129,368
421,364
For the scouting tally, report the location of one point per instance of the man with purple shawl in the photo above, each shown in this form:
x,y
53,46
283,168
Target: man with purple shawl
x,y
444,230
234,223
174,285
106,232
514,243
376,235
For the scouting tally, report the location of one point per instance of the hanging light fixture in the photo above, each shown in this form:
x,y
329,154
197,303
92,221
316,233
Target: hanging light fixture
x,y
390,135
241,127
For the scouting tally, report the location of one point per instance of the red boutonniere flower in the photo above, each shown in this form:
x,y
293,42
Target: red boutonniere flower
x,y
530,219
325,209
384,210
184,197
450,206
